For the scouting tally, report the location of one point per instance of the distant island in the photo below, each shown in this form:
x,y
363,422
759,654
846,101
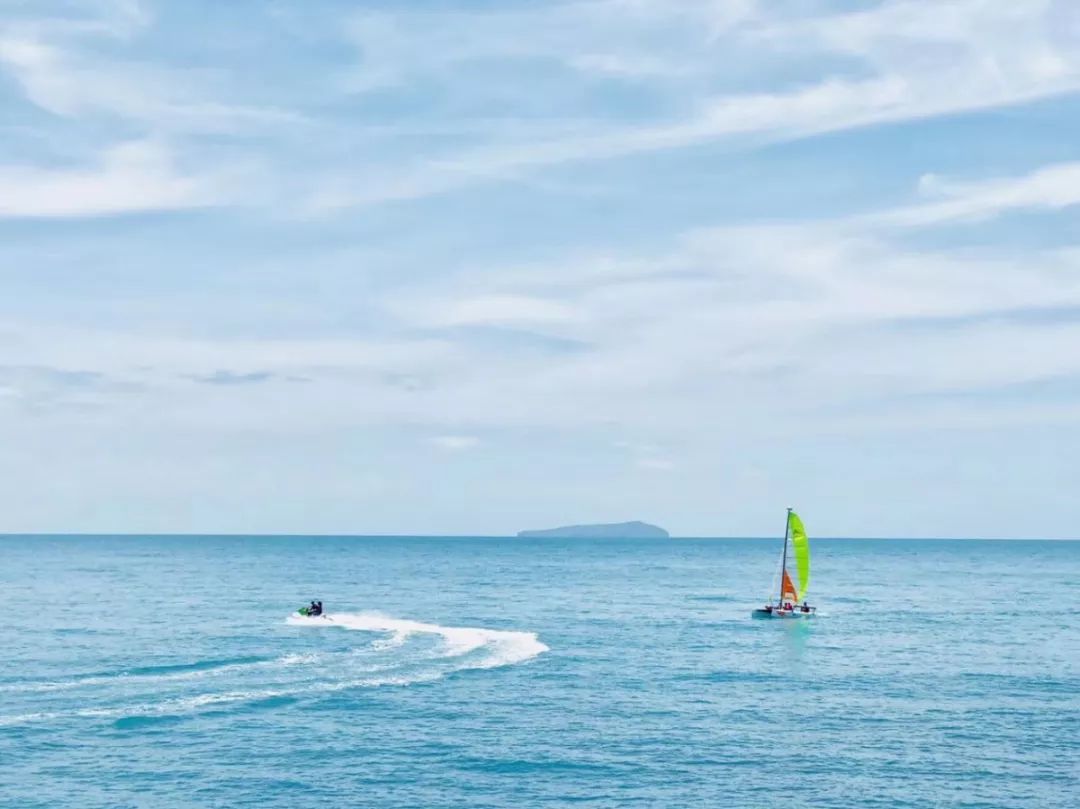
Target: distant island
x,y
618,530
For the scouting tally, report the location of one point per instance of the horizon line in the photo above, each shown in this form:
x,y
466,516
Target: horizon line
x,y
241,535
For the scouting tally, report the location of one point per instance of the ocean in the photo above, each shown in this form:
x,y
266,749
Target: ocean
x,y
166,672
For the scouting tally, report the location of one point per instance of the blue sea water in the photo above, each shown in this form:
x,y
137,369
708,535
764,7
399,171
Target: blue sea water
x,y
166,672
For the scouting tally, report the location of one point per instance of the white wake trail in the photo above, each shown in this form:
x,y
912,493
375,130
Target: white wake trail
x,y
448,649
494,647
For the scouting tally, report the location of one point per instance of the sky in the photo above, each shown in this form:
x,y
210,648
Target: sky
x,y
470,267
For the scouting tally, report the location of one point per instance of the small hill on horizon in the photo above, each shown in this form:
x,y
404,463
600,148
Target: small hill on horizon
x,y
620,530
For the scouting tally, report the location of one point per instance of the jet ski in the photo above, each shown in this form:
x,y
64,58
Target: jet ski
x,y
314,610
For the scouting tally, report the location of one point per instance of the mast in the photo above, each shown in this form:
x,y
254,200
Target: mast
x,y
783,564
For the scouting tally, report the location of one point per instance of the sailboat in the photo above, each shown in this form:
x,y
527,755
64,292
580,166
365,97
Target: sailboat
x,y
792,601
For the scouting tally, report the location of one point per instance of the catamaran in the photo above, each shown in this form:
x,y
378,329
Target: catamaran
x,y
792,601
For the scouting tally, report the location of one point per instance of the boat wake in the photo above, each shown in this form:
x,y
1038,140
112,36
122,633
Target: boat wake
x,y
390,652
493,647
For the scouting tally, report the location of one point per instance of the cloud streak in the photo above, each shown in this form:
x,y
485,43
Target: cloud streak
x,y
61,71
1048,188
972,55
455,443
221,377
134,177
713,327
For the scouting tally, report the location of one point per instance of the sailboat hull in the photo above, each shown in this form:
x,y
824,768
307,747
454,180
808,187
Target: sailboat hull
x,y
783,615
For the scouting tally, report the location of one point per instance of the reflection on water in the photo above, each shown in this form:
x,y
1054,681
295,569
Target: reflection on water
x,y
796,636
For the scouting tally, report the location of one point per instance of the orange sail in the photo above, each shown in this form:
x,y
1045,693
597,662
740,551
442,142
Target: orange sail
x,y
787,589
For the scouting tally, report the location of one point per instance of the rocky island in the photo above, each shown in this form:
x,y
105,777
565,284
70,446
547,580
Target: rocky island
x,y
620,530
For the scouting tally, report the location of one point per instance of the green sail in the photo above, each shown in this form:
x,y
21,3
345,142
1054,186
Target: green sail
x,y
802,551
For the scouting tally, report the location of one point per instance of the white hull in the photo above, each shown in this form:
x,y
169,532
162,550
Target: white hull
x,y
784,615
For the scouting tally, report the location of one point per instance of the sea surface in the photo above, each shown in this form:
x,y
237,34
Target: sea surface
x,y
167,672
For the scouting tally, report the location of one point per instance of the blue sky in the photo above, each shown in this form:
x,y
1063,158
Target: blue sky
x,y
471,267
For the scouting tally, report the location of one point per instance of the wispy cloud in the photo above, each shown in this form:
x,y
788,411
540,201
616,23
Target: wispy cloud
x,y
715,326
483,310
455,443
60,377
655,464
137,176
1047,188
60,71
830,72
901,61
41,389
221,377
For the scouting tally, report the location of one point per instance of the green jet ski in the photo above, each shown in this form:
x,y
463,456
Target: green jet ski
x,y
314,610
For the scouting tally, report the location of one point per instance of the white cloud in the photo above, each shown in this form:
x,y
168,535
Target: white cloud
x,y
455,443
61,72
655,464
138,176
733,328
903,61
698,66
607,37
695,328
1047,188
498,309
